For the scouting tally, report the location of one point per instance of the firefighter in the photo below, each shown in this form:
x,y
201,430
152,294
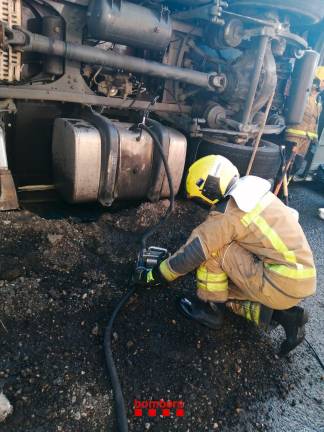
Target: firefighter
x,y
320,76
304,136
250,255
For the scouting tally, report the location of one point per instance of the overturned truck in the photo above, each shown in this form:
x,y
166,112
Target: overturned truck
x,y
77,77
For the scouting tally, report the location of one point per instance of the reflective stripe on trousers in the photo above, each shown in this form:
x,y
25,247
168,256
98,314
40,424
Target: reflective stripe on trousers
x,y
212,282
245,308
297,132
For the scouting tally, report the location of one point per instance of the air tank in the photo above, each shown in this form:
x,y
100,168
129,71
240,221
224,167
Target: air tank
x,y
301,85
129,24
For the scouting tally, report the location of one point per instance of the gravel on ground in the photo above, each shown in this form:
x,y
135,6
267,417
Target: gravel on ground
x,y
62,270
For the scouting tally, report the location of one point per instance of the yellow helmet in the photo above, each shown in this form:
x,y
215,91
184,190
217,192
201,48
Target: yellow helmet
x,y
210,178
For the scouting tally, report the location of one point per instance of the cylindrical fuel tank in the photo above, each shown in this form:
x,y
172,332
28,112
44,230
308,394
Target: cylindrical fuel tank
x,y
77,160
128,24
301,85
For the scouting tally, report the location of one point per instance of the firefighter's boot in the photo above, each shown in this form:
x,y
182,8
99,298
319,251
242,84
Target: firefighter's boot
x,y
255,312
293,321
208,314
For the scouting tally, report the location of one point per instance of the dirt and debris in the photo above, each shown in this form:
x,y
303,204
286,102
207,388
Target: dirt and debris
x,y
62,270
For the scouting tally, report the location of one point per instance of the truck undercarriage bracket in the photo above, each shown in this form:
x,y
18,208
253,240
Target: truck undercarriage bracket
x,y
10,61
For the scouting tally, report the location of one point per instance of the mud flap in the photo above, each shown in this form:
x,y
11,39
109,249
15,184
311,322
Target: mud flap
x,y
8,194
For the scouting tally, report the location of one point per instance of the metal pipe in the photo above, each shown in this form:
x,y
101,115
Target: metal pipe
x,y
263,43
301,86
28,92
258,139
90,55
3,151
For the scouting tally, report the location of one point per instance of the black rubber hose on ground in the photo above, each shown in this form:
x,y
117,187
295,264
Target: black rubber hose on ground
x,y
314,352
121,415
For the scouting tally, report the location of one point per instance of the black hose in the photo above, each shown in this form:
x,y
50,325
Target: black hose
x,y
158,144
316,356
121,415
122,425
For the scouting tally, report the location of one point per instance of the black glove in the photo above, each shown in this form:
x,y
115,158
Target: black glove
x,y
149,277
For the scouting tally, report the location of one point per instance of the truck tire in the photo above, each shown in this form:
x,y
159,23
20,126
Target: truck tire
x,y
267,160
310,11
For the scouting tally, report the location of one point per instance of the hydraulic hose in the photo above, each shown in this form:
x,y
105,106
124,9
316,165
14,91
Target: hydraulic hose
x,y
170,209
121,415
122,425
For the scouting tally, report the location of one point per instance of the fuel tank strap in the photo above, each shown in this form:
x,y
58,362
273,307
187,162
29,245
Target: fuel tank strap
x,y
109,154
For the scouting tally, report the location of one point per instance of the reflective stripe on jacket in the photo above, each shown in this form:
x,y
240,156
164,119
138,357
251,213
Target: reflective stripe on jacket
x,y
270,231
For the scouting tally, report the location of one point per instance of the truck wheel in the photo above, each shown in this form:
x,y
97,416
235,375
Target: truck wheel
x,y
266,164
310,11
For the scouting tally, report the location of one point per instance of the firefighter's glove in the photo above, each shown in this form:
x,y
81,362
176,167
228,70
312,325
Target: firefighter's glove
x,y
147,277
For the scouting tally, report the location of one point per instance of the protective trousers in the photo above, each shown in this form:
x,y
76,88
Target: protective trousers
x,y
234,273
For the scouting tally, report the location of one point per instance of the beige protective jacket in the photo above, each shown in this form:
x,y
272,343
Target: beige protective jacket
x,y
270,233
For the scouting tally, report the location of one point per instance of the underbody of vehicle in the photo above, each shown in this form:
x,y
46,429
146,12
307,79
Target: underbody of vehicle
x,y
77,77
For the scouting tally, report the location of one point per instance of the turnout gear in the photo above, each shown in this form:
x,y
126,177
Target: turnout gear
x,y
251,255
261,255
320,73
211,178
302,134
257,313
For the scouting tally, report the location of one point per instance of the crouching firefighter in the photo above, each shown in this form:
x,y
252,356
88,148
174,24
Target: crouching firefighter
x,y
250,255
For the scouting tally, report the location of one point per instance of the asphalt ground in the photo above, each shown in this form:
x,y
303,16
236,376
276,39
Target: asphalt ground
x,y
306,411
63,269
